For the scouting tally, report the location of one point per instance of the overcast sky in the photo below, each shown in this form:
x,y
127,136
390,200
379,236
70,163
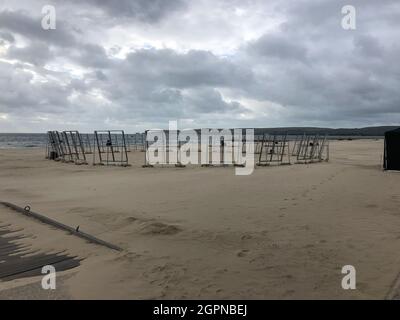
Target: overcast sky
x,y
136,64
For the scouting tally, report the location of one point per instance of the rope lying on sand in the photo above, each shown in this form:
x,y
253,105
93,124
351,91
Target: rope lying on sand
x,y
75,231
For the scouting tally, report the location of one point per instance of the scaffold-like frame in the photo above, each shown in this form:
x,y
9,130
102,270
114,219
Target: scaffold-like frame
x,y
311,148
275,149
110,148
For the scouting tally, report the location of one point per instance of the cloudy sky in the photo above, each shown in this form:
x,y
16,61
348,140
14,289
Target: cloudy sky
x,y
136,64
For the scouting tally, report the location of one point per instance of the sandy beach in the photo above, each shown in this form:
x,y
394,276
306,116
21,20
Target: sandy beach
x,y
283,232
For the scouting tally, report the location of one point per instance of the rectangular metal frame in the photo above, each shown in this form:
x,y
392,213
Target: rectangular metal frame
x,y
74,146
274,149
311,148
112,144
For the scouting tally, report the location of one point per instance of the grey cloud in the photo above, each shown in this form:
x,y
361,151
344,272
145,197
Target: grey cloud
x,y
30,27
280,47
195,68
168,84
45,45
368,46
21,95
7,37
348,75
149,11
313,70
100,75
210,101
37,53
91,55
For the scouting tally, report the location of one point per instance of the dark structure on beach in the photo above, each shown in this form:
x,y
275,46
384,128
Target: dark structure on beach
x,y
391,159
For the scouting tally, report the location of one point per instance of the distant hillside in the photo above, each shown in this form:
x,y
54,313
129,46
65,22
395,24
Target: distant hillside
x,y
367,131
353,132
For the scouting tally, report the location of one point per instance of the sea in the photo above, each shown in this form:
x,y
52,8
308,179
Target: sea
x,y
39,140
22,140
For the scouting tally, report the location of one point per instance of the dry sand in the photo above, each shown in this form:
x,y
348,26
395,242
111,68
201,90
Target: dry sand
x,y
283,232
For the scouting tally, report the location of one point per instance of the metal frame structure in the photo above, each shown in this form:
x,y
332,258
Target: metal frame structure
x,y
56,144
74,147
274,150
110,148
298,141
73,231
53,151
257,146
61,145
311,148
137,141
87,143
66,146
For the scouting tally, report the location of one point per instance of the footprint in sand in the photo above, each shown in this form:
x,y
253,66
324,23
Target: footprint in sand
x,y
242,253
246,237
219,271
288,293
160,228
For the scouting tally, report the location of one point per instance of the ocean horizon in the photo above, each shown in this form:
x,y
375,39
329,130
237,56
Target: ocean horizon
x,y
39,140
